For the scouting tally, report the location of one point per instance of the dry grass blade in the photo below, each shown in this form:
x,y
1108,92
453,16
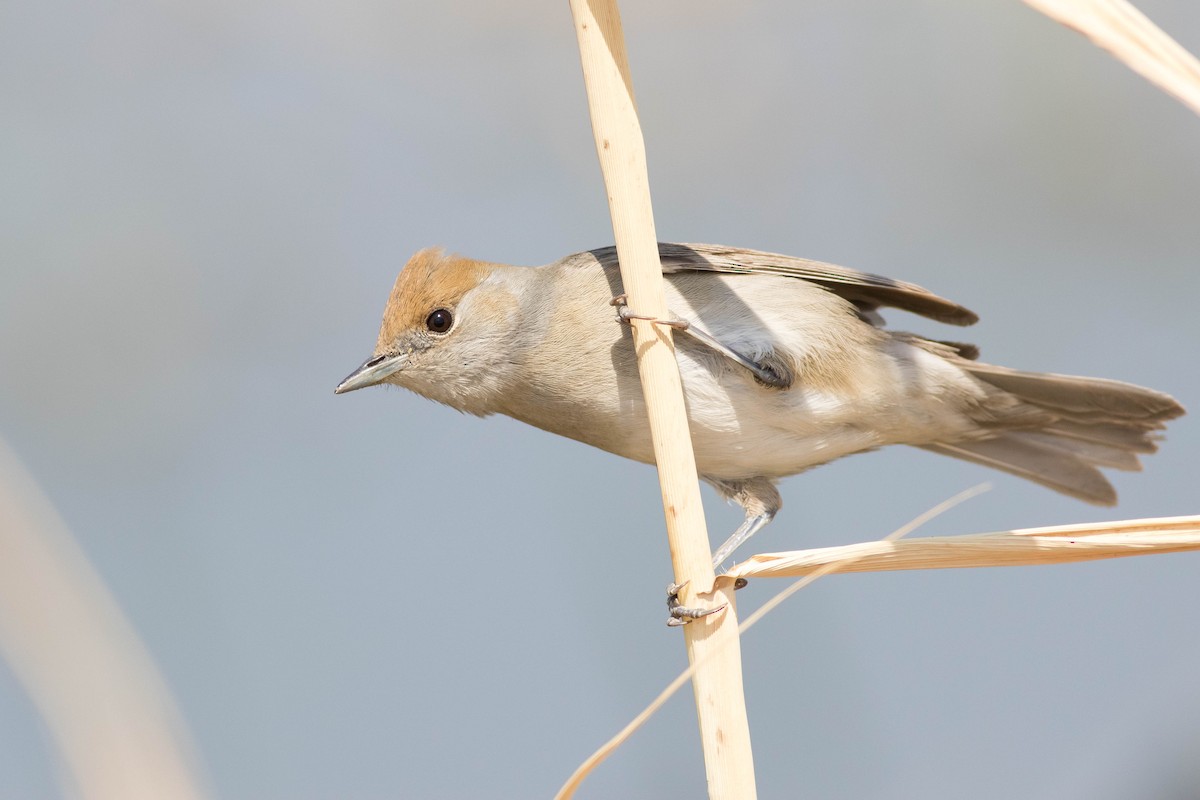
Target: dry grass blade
x,y
1133,39
107,708
608,748
1031,546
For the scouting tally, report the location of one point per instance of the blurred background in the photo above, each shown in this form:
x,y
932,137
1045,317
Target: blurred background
x,y
205,205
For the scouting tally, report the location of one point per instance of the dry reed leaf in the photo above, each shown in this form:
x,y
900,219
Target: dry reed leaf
x,y
1122,30
567,792
1031,546
105,704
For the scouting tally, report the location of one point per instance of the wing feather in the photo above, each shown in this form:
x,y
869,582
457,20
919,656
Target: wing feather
x,y
865,290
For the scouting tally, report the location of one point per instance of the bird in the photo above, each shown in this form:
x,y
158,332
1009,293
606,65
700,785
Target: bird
x,y
786,364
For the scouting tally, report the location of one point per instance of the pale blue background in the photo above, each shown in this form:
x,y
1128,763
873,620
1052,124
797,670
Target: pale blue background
x,y
205,204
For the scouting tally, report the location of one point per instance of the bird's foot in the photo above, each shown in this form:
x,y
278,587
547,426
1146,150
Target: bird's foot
x,y
625,315
681,614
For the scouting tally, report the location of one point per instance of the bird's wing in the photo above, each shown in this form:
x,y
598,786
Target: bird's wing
x,y
763,372
866,291
759,369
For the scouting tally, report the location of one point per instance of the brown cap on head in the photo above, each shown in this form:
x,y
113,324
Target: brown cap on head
x,y
429,281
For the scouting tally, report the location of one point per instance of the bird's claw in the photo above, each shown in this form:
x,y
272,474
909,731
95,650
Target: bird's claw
x,y
681,614
625,315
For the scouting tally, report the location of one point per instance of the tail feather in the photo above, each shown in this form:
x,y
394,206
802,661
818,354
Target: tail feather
x,y
1086,398
1098,453
1135,440
1048,466
1084,423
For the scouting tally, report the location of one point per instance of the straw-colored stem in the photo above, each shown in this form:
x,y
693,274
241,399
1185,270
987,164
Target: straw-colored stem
x,y
609,747
720,704
1031,546
1132,38
104,703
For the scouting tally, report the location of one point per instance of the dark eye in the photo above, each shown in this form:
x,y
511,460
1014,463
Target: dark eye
x,y
439,321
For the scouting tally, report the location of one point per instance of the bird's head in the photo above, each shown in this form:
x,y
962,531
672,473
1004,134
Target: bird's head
x,y
447,331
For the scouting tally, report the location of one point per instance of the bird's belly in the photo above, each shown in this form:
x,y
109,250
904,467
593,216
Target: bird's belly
x,y
741,441
739,427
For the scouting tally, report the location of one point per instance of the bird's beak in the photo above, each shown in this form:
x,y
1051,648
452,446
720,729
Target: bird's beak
x,y
375,369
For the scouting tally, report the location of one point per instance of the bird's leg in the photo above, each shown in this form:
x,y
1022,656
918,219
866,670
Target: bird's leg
x,y
761,501
749,527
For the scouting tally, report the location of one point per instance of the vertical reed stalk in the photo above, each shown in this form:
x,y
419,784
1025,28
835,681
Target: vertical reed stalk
x,y
720,702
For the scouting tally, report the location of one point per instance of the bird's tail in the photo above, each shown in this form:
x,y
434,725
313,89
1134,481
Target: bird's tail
x,y
1067,427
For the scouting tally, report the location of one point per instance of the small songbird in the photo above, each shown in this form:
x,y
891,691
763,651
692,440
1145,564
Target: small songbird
x,y
785,364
